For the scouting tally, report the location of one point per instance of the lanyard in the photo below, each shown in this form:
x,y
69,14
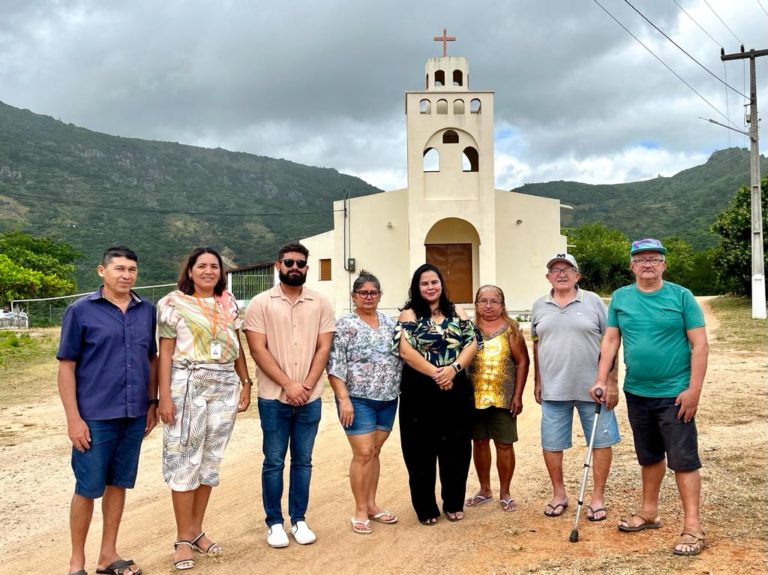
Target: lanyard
x,y
207,315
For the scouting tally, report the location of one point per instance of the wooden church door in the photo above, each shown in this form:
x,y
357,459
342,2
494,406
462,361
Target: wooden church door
x,y
455,263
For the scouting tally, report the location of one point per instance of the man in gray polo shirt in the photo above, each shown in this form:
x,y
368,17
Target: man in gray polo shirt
x,y
567,326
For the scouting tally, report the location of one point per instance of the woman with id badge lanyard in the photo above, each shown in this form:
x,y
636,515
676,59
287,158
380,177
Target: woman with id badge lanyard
x,y
201,369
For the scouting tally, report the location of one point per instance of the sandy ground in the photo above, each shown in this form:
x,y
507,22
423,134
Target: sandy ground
x,y
37,484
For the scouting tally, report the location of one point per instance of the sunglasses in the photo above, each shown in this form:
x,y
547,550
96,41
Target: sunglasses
x,y
301,264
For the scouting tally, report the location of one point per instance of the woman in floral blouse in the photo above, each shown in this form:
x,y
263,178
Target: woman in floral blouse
x,y
203,383
436,341
365,377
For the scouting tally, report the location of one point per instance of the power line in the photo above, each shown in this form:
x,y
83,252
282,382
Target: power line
x,y
722,22
707,102
703,67
763,7
124,208
719,45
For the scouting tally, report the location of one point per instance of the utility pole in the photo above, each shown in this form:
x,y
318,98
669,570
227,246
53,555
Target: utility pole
x,y
758,262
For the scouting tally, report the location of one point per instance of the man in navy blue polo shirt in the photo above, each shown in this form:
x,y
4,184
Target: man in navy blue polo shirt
x,y
107,382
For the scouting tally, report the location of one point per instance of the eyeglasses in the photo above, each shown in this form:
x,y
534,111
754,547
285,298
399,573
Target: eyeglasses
x,y
558,271
648,261
301,264
491,302
368,293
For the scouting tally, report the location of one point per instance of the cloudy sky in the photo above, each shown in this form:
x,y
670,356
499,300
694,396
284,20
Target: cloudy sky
x,y
321,82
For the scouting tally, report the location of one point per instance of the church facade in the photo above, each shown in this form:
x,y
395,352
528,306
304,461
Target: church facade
x,y
450,214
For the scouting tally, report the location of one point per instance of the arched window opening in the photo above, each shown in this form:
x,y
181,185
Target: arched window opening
x,y
450,137
458,107
470,160
458,78
425,106
440,78
442,106
474,106
431,160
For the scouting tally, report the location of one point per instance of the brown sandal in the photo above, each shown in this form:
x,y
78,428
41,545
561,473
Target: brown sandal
x,y
647,523
694,542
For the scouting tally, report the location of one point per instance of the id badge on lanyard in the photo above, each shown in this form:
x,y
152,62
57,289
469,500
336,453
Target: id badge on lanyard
x,y
215,350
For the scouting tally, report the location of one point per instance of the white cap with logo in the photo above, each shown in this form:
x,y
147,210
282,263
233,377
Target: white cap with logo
x,y
563,257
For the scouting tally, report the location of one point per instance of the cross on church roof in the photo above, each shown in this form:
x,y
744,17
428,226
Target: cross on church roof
x,y
444,39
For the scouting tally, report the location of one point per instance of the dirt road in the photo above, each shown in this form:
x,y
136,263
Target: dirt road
x,y
37,485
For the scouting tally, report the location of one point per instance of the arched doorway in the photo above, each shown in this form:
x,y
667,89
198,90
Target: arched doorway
x,y
452,245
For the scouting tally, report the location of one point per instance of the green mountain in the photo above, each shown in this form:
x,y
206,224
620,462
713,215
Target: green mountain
x,y
684,205
162,199
93,190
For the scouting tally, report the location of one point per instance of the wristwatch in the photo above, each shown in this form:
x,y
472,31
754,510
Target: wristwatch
x,y
248,381
457,366
154,402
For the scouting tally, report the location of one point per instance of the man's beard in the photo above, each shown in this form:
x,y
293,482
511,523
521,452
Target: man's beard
x,y
292,279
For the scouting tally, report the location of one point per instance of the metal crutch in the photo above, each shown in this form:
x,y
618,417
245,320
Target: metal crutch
x,y
587,464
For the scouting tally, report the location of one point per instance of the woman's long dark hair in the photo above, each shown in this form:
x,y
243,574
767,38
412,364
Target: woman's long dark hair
x,y
185,283
418,304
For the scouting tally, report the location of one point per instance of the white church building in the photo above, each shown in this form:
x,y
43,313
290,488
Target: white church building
x,y
450,215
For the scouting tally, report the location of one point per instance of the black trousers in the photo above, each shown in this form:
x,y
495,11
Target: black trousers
x,y
436,430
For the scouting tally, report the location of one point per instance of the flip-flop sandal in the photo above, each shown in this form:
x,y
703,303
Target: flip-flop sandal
x,y
595,511
119,567
646,524
508,504
81,572
361,527
477,499
454,516
384,517
552,510
429,522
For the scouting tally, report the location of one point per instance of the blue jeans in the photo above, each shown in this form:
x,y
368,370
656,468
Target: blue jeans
x,y
281,425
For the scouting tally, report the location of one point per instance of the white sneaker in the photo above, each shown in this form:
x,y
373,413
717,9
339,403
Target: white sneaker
x,y
302,533
276,536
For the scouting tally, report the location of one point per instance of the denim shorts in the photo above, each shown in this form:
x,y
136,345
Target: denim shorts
x,y
557,424
112,458
494,423
370,415
658,433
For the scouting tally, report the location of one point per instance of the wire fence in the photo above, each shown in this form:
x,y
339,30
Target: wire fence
x,y
48,311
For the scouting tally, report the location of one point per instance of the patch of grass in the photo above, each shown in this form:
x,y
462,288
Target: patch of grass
x,y
27,364
737,328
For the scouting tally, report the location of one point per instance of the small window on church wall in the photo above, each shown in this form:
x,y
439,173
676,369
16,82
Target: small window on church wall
x,y
458,107
325,270
458,77
450,137
425,107
470,160
426,82
474,106
440,78
431,160
442,106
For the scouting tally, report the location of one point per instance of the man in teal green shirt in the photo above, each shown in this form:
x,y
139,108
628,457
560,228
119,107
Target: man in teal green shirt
x,y
665,353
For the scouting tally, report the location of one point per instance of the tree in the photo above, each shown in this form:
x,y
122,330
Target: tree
x,y
35,267
603,257
733,256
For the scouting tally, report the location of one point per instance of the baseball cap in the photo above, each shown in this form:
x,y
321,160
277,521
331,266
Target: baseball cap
x,y
563,257
647,245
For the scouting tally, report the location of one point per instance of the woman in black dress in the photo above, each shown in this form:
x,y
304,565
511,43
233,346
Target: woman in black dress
x,y
436,341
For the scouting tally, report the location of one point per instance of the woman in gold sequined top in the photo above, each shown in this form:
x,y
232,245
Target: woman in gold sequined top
x,y
498,376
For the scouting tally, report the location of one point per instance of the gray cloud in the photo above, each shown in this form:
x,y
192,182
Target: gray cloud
x,y
323,82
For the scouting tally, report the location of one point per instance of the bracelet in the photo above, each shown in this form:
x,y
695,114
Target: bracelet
x,y
248,381
154,402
